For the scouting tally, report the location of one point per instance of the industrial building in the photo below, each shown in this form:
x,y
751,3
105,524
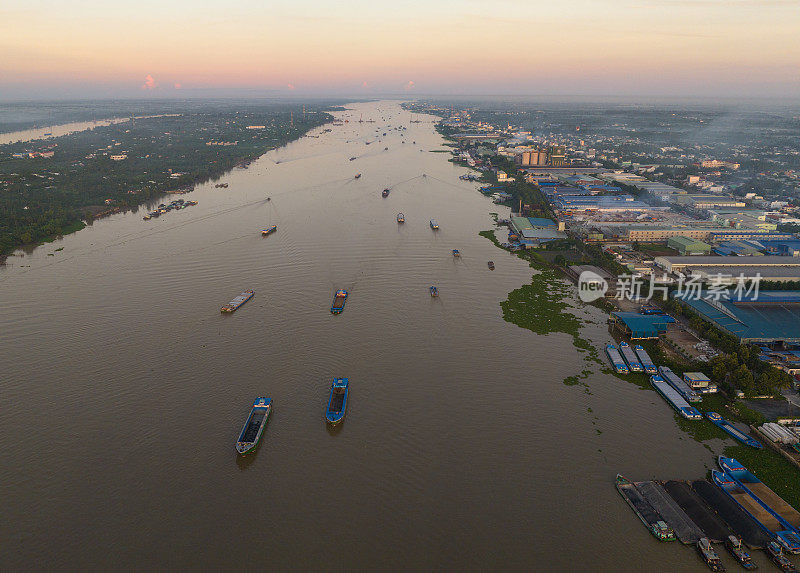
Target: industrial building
x,y
688,246
534,231
641,326
774,316
681,264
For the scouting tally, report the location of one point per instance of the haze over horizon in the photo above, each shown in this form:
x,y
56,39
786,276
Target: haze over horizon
x,y
655,48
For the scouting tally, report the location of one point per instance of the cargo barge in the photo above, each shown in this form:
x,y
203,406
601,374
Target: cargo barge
x,y
645,360
268,230
630,357
742,523
254,426
674,399
616,359
728,428
338,301
337,403
646,513
787,516
238,301
755,509
709,522
677,382
685,529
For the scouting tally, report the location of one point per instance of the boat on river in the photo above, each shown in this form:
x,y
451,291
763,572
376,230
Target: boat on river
x,y
268,230
728,428
401,218
775,553
434,225
434,291
385,193
456,253
736,548
238,301
254,426
630,357
358,175
642,508
337,402
674,399
338,301
491,265
709,555
616,359
645,360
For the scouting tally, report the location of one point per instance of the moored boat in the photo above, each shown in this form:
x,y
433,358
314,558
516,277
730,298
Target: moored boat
x,y
254,426
642,508
709,555
238,301
645,360
491,265
728,428
338,301
268,230
630,357
616,359
775,552
401,218
677,382
674,399
736,548
337,402
434,291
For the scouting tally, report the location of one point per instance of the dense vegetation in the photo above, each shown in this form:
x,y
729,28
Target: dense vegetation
x,y
41,197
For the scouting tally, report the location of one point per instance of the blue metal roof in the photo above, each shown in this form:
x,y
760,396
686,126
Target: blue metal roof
x,y
644,325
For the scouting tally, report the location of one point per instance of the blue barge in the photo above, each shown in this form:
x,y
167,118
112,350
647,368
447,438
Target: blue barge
x,y
254,426
727,427
677,382
338,301
645,360
630,357
337,403
616,359
787,517
674,399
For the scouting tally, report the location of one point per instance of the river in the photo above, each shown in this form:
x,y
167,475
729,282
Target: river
x,y
124,388
62,129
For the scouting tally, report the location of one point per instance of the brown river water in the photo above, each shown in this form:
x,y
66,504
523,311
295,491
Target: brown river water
x,y
124,388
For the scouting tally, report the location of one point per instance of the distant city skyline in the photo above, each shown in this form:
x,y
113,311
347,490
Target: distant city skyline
x,y
655,48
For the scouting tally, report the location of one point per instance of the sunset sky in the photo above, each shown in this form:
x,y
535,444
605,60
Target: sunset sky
x,y
172,48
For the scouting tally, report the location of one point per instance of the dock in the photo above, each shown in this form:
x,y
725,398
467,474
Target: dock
x,y
685,529
693,505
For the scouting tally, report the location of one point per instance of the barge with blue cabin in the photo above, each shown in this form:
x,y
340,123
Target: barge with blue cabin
x,y
728,428
677,382
674,399
630,357
238,301
616,359
645,360
338,301
337,402
254,426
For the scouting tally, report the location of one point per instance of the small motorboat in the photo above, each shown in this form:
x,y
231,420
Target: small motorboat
x,y
456,253
401,218
358,175
269,230
775,553
734,545
385,193
434,291
709,555
491,265
353,158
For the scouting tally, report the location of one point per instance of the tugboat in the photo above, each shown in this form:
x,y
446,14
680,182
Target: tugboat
x,y
491,265
338,301
358,175
254,426
775,553
385,193
401,218
456,253
337,403
434,291
709,555
734,545
268,230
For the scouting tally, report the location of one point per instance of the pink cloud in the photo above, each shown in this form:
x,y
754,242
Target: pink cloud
x,y
290,86
149,83
177,85
365,85
409,85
